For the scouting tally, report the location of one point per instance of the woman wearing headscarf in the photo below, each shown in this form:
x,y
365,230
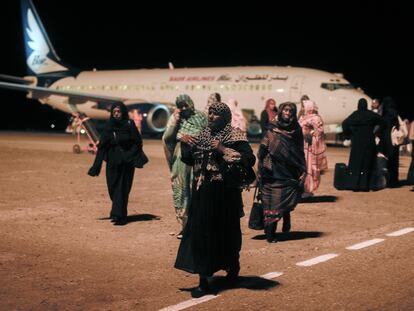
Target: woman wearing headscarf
x,y
212,98
237,118
390,116
359,127
119,146
282,169
212,237
302,106
314,146
184,124
410,175
268,115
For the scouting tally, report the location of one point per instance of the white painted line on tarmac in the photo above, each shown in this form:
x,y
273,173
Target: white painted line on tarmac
x,y
195,301
365,244
316,260
400,232
189,303
271,275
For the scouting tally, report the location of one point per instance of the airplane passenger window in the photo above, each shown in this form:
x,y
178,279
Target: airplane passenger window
x,y
336,86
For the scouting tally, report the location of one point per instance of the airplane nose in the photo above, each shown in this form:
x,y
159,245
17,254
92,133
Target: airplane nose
x,y
366,97
352,101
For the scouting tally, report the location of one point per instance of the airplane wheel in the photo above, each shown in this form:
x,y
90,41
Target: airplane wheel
x,y
76,149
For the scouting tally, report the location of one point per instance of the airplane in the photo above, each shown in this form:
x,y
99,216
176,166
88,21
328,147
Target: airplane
x,y
153,91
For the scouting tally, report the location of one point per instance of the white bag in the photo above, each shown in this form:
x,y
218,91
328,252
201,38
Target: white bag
x,y
399,136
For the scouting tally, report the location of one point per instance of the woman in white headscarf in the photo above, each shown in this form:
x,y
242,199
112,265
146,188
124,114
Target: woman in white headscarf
x,y
237,118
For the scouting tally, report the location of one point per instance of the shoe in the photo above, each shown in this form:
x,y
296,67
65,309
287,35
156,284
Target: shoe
x,y
233,274
114,218
199,292
202,289
286,228
286,223
270,232
120,222
307,195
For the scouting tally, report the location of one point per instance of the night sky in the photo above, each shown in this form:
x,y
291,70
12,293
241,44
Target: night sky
x,y
369,43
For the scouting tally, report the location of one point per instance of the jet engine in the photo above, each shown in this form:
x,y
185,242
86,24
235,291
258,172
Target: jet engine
x,y
153,116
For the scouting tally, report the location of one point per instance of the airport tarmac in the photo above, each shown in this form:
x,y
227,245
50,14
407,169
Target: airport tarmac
x,y
59,252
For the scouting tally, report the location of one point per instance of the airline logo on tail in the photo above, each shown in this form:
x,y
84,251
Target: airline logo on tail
x,y
39,51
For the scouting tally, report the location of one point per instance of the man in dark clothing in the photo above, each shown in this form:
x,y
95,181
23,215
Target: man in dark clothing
x,y
359,127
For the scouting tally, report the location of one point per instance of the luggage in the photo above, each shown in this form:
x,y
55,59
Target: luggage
x,y
379,177
399,136
256,214
341,177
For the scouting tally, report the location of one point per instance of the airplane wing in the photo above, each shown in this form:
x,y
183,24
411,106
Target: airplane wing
x,y
15,79
77,97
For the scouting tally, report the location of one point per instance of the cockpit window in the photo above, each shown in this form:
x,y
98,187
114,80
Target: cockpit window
x,y
336,86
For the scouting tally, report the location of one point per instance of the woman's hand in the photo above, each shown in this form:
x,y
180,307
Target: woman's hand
x,y
302,179
177,115
188,139
94,171
216,145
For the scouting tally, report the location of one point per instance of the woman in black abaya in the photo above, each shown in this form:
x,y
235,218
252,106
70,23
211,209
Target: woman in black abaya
x,y
359,127
118,146
212,237
390,116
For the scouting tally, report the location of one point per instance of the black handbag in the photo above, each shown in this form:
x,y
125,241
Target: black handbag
x,y
141,159
256,214
238,175
380,175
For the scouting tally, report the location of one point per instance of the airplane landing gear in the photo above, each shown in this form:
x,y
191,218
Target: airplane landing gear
x,y
81,124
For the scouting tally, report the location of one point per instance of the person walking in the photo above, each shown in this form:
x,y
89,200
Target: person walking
x,y
386,146
359,127
212,98
314,147
237,118
410,175
282,169
119,145
302,106
184,124
268,115
212,237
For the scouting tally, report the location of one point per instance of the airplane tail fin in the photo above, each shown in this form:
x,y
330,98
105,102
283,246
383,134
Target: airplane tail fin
x,y
41,57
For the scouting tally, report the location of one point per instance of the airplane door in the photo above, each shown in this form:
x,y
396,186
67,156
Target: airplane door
x,y
296,88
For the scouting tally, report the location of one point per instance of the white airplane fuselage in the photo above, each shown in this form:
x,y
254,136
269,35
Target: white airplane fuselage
x,y
250,86
153,91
